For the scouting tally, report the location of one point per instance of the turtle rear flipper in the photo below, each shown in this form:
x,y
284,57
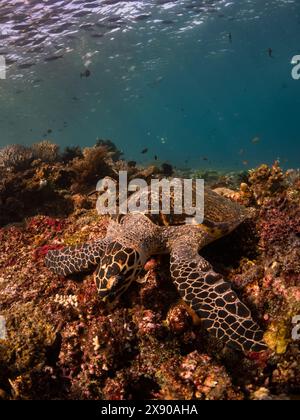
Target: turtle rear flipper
x,y
213,300
76,259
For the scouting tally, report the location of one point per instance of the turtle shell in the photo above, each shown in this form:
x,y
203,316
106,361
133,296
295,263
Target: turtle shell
x,y
220,214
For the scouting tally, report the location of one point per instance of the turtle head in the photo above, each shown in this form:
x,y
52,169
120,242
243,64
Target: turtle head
x,y
118,268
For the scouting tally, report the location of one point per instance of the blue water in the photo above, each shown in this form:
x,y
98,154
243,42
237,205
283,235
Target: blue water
x,y
172,81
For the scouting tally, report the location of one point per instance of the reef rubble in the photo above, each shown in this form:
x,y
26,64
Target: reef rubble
x,y
64,343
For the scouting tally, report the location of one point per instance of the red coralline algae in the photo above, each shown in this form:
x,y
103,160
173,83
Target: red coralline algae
x,y
43,250
279,226
261,358
149,323
178,319
198,376
39,223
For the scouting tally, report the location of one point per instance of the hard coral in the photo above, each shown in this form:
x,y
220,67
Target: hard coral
x,y
266,182
111,147
15,157
27,332
91,168
196,376
71,153
45,151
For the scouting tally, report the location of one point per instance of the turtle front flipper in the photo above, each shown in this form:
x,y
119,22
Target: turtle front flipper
x,y
213,300
76,259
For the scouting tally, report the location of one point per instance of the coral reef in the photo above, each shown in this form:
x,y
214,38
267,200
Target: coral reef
x,y
15,157
63,342
91,167
40,180
71,153
266,182
46,151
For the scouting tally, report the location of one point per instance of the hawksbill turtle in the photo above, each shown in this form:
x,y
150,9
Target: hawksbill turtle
x,y
133,238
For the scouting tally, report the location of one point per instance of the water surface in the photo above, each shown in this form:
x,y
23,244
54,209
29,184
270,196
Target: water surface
x,y
194,82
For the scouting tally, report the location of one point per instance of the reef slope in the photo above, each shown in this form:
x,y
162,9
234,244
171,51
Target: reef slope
x,y
63,343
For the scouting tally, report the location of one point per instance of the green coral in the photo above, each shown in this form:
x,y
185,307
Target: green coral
x,y
277,337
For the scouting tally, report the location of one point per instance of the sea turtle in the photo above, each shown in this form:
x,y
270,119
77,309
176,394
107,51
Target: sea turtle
x,y
133,238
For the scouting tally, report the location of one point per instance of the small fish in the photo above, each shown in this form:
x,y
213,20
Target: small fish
x,y
53,58
49,131
25,65
167,22
144,151
245,162
82,13
114,19
156,81
142,17
38,41
25,28
155,157
97,36
270,52
132,164
167,169
255,140
10,61
230,37
35,50
205,158
86,74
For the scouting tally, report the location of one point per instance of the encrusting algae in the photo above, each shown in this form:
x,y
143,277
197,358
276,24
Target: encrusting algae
x,y
63,342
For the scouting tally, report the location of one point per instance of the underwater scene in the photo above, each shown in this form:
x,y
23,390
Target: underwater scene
x,y
101,102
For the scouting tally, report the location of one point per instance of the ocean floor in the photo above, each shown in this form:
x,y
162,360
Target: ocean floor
x,y
64,343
